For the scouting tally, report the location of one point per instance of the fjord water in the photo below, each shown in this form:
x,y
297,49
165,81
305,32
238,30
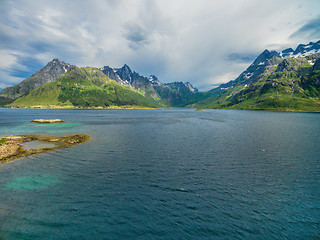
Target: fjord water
x,y
165,174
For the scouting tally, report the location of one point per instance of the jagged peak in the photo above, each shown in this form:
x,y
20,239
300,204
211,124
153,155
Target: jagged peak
x,y
265,56
57,62
106,68
191,87
126,67
302,50
288,50
54,61
154,80
153,77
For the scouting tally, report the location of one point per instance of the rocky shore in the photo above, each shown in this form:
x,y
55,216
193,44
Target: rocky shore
x,y
11,147
46,121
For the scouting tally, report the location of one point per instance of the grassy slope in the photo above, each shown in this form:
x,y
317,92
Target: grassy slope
x,y
291,88
46,95
84,87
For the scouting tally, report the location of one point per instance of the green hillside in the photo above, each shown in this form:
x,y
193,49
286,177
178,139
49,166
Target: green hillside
x,y
290,84
84,87
286,81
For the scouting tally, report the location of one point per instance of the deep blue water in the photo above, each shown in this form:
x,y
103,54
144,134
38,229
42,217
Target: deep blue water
x,y
165,174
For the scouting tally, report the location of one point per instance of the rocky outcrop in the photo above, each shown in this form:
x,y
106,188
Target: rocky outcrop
x,y
12,147
46,121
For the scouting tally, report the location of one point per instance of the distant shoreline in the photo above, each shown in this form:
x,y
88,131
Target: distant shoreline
x,y
149,108
135,107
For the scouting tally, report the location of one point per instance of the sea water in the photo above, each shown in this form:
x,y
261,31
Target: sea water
x,y
165,174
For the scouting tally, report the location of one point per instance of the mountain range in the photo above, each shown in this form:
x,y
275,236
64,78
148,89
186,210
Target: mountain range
x,y
288,80
60,84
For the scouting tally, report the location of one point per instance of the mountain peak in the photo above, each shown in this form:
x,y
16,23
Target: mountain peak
x,y
302,50
265,56
124,73
48,73
190,87
154,80
126,67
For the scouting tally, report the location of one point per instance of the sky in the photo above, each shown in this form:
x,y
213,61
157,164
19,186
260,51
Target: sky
x,y
204,42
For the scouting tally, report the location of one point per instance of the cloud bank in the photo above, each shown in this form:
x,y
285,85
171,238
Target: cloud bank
x,y
205,42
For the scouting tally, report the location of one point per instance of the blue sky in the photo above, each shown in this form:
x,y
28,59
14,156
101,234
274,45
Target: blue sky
x,y
205,42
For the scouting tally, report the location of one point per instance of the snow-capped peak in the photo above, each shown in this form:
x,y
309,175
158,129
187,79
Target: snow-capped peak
x,y
301,51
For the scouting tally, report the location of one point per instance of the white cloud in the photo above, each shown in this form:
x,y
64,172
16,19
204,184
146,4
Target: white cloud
x,y
181,40
10,60
8,79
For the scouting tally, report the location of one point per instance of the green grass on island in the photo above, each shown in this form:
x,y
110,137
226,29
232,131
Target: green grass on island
x,y
3,140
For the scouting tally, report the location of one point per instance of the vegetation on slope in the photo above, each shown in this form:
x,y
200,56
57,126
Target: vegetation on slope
x,y
291,84
269,83
5,101
84,87
49,73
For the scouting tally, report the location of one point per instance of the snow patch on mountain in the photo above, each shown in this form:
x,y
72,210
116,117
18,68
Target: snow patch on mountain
x,y
301,51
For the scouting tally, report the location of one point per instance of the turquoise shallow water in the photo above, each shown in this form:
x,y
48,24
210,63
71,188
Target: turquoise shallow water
x,y
34,128
32,182
165,174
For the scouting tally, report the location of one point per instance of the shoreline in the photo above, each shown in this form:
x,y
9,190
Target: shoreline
x,y
74,107
89,108
148,108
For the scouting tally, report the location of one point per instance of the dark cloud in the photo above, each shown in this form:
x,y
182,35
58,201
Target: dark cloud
x,y
310,30
242,57
136,36
30,63
205,42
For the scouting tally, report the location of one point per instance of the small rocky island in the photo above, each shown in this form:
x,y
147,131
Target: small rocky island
x,y
13,147
47,121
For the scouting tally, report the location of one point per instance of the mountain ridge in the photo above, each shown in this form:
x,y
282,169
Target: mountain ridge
x,y
274,81
288,80
84,87
48,73
149,87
